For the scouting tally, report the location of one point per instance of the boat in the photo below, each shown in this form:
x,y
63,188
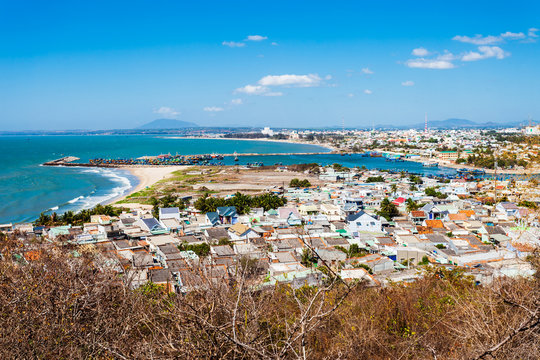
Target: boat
x,y
430,164
235,156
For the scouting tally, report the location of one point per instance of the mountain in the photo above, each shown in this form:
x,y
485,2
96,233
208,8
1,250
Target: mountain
x,y
453,124
168,124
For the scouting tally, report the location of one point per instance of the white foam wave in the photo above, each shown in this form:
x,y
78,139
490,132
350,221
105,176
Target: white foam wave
x,y
72,201
122,182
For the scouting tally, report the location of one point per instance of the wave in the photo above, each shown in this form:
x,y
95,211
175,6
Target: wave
x,y
72,201
121,183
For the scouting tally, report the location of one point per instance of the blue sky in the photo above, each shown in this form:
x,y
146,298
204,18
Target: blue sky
x,y
113,64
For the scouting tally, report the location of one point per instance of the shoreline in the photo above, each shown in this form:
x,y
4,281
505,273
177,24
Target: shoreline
x,y
325,146
452,165
146,176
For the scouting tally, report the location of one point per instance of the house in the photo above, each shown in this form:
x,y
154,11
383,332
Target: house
x,y
169,213
308,209
222,251
434,212
212,218
508,208
433,224
241,232
227,214
153,226
290,215
417,217
215,234
362,222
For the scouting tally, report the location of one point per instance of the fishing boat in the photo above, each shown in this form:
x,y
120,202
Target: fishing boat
x,y
430,164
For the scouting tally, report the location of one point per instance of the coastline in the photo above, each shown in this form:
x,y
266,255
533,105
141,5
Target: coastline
x,y
452,165
325,145
147,176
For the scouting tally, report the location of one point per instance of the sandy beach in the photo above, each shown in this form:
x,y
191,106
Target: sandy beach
x,y
149,175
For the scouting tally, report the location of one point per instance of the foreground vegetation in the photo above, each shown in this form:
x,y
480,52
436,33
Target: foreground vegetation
x,y
59,303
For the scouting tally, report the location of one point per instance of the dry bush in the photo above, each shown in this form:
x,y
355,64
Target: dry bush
x,y
59,305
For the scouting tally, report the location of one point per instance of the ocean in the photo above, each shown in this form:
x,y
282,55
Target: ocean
x,y
27,188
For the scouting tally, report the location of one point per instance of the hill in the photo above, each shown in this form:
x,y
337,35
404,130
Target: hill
x,y
168,124
453,124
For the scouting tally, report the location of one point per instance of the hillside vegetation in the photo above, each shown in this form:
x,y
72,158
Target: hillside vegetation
x,y
57,301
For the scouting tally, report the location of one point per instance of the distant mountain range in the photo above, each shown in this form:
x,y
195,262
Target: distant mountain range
x,y
168,124
454,124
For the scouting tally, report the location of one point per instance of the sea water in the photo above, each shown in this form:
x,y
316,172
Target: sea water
x,y
27,188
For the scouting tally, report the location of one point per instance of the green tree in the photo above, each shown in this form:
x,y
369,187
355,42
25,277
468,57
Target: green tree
x,y
412,205
388,210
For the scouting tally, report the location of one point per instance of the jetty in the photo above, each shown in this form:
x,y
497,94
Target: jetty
x,y
164,159
65,161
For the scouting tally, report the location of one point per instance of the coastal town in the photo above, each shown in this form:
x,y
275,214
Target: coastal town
x,y
298,224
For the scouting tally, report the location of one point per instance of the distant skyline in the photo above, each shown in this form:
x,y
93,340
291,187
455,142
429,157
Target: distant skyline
x,y
111,65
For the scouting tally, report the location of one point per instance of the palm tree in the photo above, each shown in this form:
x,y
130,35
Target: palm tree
x,y
412,205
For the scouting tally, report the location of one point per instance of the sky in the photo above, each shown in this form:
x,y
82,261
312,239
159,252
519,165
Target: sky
x,y
120,64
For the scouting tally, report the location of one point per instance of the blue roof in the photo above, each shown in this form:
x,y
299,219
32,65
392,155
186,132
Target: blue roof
x,y
226,211
213,217
151,223
355,216
170,210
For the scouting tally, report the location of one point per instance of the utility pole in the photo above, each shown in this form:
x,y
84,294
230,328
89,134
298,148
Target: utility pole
x,y
495,182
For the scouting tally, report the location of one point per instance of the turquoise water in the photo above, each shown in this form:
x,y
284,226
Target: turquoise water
x,y
27,189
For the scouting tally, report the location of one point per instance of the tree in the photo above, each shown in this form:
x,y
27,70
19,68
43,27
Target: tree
x,y
374,179
388,210
299,183
412,205
242,202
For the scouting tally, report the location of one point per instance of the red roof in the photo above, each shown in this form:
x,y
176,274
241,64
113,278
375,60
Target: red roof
x,y
399,201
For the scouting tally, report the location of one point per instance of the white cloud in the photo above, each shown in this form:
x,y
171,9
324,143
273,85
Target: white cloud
x,y
350,95
290,80
167,112
478,39
367,91
485,52
213,109
367,71
328,77
237,101
533,32
513,36
233,44
256,38
252,89
420,52
422,63
408,83
264,85
274,43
